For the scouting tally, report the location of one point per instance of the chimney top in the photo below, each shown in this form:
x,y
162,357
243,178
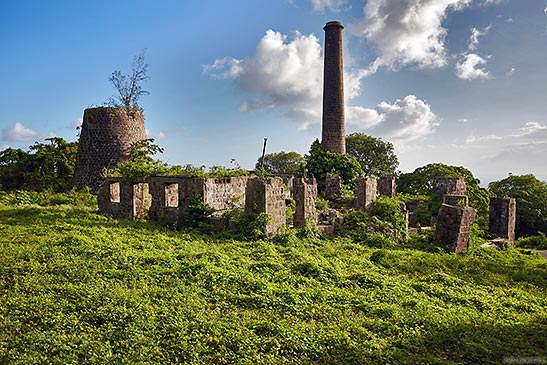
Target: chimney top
x,y
333,24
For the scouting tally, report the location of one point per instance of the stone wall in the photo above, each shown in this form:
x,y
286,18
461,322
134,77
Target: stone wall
x,y
267,196
365,193
450,185
503,214
106,138
124,198
333,187
333,130
305,193
225,193
387,186
458,200
453,225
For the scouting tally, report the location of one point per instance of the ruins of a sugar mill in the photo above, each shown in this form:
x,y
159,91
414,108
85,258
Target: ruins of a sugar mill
x,y
108,133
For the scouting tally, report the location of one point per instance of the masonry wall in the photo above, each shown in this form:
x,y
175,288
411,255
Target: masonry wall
x,y
453,226
124,198
106,138
333,187
503,214
305,193
458,200
450,185
365,193
267,196
387,186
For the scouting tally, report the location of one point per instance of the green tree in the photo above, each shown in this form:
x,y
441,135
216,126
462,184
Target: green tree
x,y
46,166
321,162
531,196
377,157
140,162
283,163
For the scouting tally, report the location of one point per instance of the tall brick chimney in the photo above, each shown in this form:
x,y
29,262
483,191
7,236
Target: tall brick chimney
x,y
334,131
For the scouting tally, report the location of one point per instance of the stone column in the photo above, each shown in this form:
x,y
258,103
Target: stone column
x,y
365,193
334,131
305,193
453,226
503,213
387,186
267,196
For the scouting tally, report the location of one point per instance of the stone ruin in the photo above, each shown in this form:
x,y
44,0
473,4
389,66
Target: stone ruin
x,y
365,193
502,221
333,187
450,185
387,186
106,138
453,226
165,198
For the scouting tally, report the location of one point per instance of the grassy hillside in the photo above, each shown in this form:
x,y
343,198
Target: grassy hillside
x,y
76,287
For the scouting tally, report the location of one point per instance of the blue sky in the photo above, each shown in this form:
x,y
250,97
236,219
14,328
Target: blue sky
x,y
455,81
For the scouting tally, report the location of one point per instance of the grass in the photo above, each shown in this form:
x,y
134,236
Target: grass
x,y
76,287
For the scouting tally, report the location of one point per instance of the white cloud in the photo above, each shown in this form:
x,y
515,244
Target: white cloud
x,y
403,121
528,129
469,68
286,73
545,10
476,34
407,32
321,5
75,124
18,133
157,136
490,137
510,72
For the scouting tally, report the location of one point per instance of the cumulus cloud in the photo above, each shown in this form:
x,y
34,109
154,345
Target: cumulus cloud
x,y
18,133
469,68
407,32
405,120
321,5
476,34
284,72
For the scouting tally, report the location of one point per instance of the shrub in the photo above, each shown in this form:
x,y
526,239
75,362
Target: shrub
x,y
538,242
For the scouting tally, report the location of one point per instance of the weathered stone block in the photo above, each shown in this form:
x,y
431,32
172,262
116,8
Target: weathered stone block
x,y
267,196
124,198
365,193
450,185
387,186
305,193
453,226
333,187
503,213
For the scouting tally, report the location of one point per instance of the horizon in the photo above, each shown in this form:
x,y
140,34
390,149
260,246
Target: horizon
x,y
459,83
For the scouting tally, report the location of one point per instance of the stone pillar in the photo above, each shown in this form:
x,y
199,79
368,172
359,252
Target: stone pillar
x,y
267,196
305,193
453,225
503,213
450,185
333,187
365,193
334,131
387,186
106,138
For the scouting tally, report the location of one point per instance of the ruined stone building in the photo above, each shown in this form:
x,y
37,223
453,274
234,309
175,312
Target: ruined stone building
x,y
106,138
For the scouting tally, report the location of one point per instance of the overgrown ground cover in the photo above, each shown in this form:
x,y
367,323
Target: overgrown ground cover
x,y
76,287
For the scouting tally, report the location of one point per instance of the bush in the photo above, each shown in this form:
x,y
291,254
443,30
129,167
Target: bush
x,y
245,226
538,242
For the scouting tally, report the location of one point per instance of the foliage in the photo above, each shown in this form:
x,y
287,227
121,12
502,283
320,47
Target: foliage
x,y
129,87
283,163
245,226
197,214
321,162
538,242
140,162
45,166
421,182
82,288
531,196
77,198
376,157
390,210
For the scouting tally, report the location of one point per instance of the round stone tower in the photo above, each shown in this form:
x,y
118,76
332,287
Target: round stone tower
x,y
334,130
106,138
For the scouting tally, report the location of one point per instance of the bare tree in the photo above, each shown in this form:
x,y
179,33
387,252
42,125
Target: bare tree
x,y
129,86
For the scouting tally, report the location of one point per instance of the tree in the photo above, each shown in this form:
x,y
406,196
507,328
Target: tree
x,y
129,86
375,156
321,162
531,196
45,166
283,163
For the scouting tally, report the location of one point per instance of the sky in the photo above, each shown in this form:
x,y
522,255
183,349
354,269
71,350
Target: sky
x,y
461,82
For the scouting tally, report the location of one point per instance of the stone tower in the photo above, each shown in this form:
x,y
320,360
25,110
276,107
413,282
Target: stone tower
x,y
106,138
334,131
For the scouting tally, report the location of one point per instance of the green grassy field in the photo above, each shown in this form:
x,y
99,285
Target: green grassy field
x,y
76,287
